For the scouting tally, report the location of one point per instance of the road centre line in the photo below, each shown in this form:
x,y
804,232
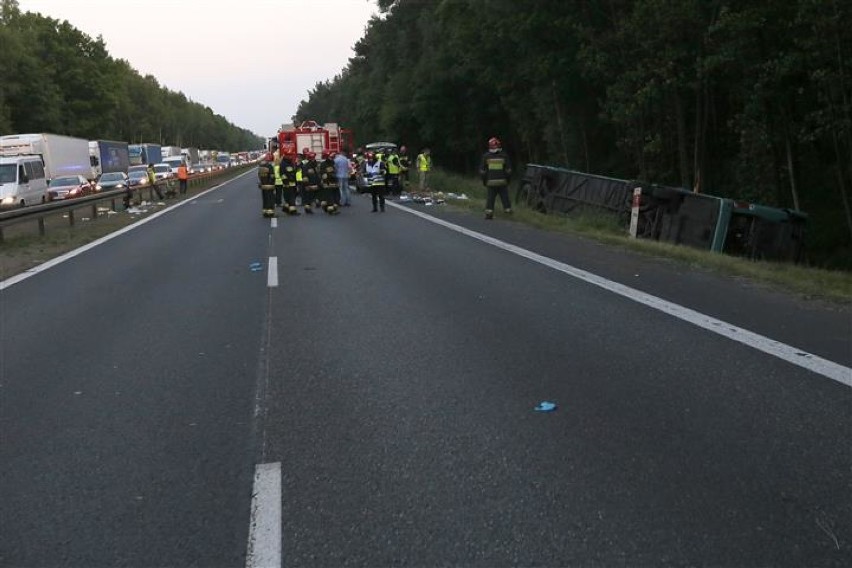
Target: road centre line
x,y
272,278
809,361
71,254
273,223
264,543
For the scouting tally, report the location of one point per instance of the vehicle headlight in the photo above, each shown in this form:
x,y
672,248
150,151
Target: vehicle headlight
x,y
98,187
8,200
118,186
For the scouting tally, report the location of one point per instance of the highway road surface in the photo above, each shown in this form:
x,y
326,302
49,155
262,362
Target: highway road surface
x,y
211,388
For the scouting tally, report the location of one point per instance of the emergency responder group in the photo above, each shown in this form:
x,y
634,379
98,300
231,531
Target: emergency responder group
x,y
284,177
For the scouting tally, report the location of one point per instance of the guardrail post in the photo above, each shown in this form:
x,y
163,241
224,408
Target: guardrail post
x,y
41,226
71,217
94,210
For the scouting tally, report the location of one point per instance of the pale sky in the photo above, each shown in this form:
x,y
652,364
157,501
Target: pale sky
x,y
250,61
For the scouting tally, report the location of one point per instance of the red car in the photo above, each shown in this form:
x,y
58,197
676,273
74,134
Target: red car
x,y
69,187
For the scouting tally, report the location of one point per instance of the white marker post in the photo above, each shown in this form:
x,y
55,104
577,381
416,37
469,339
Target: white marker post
x,y
634,213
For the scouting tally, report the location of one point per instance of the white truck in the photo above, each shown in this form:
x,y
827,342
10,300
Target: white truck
x,y
169,151
190,155
61,155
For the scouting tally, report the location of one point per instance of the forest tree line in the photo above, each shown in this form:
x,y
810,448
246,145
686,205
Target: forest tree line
x,y
749,99
55,78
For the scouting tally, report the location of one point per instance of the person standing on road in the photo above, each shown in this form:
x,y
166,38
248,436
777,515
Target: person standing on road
x,y
288,169
266,183
329,196
394,171
376,173
496,171
310,181
341,172
424,166
279,182
404,164
152,179
183,176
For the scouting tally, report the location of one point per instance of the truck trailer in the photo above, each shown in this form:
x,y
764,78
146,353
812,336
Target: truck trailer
x,y
190,155
61,155
169,151
108,156
144,154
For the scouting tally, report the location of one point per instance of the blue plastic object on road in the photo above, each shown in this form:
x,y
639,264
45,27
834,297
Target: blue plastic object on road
x,y
545,406
256,266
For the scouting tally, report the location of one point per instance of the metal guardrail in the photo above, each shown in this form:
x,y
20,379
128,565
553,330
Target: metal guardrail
x,y
38,213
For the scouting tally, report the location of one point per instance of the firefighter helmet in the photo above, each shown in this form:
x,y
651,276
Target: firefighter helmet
x,y
494,143
326,154
312,155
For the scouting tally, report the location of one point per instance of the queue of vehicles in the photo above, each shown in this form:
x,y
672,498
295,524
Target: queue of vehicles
x,y
36,168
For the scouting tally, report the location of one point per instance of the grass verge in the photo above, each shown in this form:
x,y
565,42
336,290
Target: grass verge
x,y
831,285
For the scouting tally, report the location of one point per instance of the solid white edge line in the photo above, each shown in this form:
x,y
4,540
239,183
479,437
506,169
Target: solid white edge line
x,y
71,254
272,279
264,543
809,361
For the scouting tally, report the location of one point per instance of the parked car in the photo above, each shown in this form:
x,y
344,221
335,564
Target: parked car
x,y
68,187
112,180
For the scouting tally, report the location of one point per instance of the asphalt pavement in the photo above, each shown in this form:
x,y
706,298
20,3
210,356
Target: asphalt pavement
x,y
390,368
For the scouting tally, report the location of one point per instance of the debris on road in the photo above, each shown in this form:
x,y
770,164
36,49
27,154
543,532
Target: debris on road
x,y
256,266
545,406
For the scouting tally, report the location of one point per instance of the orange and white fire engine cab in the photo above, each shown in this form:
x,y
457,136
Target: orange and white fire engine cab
x,y
328,137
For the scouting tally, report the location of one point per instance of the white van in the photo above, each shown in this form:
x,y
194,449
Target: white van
x,y
22,181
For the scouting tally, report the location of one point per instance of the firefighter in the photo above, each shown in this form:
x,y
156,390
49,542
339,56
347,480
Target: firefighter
x,y
376,173
310,182
496,172
329,194
394,170
279,181
301,159
266,183
289,169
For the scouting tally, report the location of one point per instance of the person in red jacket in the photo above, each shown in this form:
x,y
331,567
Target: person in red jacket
x,y
183,176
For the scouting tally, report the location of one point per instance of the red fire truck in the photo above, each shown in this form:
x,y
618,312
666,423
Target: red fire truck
x,y
319,138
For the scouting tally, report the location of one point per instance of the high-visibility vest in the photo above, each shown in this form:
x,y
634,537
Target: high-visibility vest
x,y
183,174
278,180
393,164
424,162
